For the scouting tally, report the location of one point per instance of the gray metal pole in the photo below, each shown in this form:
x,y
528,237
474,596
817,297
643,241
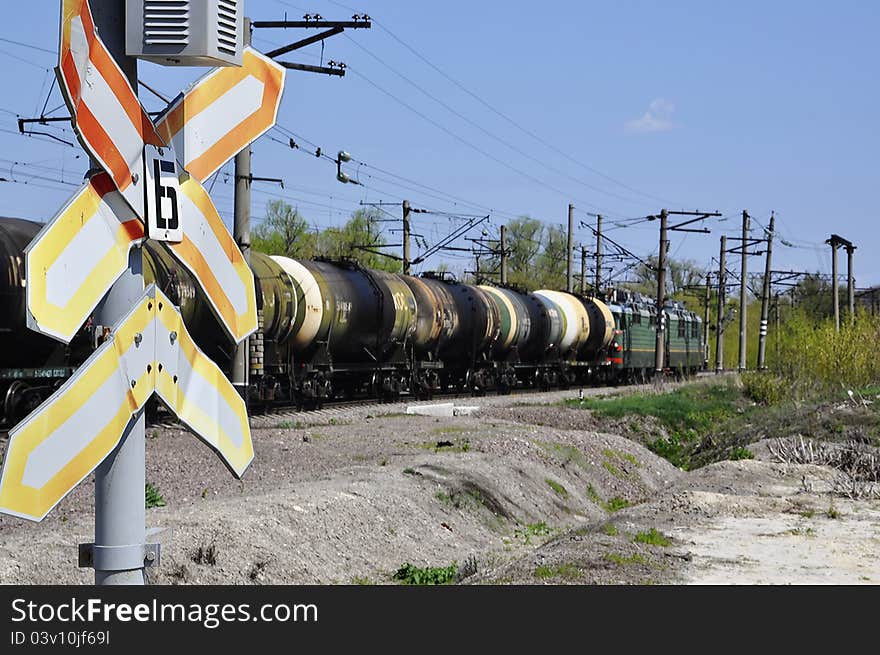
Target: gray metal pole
x,y
241,232
406,257
503,255
120,510
569,283
598,253
834,289
584,271
850,283
722,288
707,302
765,297
743,307
660,341
777,327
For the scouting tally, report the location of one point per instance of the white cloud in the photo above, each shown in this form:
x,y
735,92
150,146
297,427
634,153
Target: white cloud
x,y
658,118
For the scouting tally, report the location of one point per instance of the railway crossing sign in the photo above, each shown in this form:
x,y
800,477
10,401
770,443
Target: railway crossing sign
x,y
114,210
150,187
150,352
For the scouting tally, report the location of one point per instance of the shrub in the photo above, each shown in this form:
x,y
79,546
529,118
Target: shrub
x,y
409,574
653,537
741,452
764,388
152,497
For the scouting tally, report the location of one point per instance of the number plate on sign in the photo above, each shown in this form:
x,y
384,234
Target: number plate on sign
x,y
162,190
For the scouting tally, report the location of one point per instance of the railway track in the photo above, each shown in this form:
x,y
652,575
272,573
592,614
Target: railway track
x,y
350,410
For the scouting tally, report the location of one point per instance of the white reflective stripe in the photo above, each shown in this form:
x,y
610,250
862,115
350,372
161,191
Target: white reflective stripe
x,y
79,47
56,450
71,270
97,95
197,230
205,129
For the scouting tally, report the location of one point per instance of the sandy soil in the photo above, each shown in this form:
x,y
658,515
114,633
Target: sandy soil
x,y
517,494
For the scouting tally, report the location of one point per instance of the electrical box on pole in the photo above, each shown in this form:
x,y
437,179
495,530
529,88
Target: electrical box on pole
x,y
185,32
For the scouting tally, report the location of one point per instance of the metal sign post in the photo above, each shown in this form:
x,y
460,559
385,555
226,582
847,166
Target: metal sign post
x,y
87,262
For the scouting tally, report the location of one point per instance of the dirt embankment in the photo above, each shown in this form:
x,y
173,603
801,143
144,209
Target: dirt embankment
x,y
515,495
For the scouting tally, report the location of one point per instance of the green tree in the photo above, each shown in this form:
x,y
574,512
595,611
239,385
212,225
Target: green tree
x,y
524,236
359,239
549,271
284,231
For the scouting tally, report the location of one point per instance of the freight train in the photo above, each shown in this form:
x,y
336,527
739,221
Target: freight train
x,y
333,329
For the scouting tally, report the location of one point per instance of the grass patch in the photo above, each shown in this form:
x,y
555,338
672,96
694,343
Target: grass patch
x,y
565,571
613,505
358,580
763,387
610,529
807,513
741,452
616,504
832,512
627,457
530,530
798,532
624,560
450,429
410,471
446,446
443,497
152,497
696,407
567,453
287,425
652,537
687,414
430,575
556,487
613,470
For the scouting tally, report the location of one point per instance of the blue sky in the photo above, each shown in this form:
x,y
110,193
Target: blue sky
x,y
696,105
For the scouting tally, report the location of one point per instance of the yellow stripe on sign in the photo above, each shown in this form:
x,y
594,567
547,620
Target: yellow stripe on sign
x,y
77,257
202,397
66,437
212,256
223,112
71,433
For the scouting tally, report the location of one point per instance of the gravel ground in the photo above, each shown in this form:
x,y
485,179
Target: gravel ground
x,y
516,494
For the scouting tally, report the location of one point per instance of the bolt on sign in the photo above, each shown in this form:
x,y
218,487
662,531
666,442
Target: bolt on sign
x,y
150,187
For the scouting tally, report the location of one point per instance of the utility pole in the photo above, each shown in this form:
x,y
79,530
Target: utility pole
x,y
598,284
765,297
569,284
778,322
706,302
406,257
583,271
241,232
743,310
722,288
660,342
503,255
836,242
850,282
120,510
